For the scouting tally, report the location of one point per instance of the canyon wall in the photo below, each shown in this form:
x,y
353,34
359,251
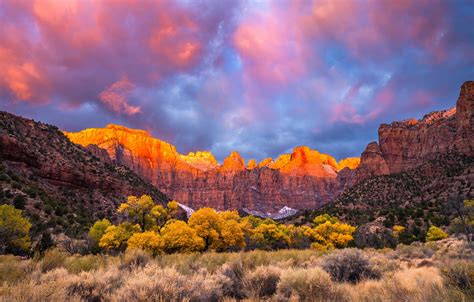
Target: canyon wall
x,y
301,180
407,144
304,179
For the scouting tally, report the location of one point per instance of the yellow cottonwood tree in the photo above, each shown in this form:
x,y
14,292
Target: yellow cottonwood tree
x,y
207,223
148,241
179,237
231,231
115,237
329,233
138,209
98,230
14,229
271,236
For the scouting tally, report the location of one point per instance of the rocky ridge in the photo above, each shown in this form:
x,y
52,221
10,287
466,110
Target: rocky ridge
x,y
60,184
407,144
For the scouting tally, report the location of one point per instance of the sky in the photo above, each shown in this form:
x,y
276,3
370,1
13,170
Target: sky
x,y
258,77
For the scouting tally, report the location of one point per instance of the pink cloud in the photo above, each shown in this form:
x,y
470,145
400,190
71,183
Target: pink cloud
x,y
346,111
73,49
116,98
272,48
285,41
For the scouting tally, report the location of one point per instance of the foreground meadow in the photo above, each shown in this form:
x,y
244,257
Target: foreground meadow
x,y
435,271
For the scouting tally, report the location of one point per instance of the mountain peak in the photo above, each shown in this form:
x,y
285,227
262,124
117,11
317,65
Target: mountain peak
x,y
202,160
126,129
234,162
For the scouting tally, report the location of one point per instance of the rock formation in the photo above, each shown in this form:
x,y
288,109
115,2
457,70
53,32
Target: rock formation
x,y
407,144
301,180
304,179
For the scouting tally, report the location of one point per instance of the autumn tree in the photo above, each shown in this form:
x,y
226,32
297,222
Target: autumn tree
x,y
116,237
434,234
231,231
146,213
14,230
161,215
138,209
97,231
324,218
329,233
180,237
148,241
207,223
270,236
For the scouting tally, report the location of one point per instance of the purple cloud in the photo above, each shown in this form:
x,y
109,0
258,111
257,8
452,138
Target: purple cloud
x,y
256,77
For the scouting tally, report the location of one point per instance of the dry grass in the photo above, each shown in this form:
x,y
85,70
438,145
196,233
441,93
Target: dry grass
x,y
435,272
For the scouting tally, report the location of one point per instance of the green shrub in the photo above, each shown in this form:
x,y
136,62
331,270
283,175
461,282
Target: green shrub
x,y
19,202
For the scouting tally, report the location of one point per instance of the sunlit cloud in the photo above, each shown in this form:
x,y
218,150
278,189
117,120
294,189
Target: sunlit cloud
x,y
256,77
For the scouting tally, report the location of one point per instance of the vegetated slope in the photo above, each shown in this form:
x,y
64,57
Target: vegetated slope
x,y
60,185
416,198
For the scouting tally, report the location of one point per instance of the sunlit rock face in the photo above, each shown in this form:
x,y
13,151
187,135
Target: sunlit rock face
x,y
406,144
252,164
300,180
350,162
303,179
201,160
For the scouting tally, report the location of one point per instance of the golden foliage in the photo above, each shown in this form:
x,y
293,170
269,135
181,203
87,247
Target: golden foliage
x,y
179,237
148,241
98,229
207,224
435,234
115,237
154,228
329,233
14,229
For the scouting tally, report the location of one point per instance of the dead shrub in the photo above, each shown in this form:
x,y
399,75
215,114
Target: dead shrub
x,y
417,284
312,284
153,283
134,258
460,275
349,265
95,286
262,282
234,271
53,258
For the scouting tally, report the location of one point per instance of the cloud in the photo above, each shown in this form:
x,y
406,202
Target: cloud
x,y
116,98
256,77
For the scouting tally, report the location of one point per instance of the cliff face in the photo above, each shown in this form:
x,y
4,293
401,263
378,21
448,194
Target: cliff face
x,y
301,180
59,179
407,144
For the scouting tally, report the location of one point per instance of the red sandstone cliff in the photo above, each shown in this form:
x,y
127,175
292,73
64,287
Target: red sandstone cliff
x,y
301,180
407,144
